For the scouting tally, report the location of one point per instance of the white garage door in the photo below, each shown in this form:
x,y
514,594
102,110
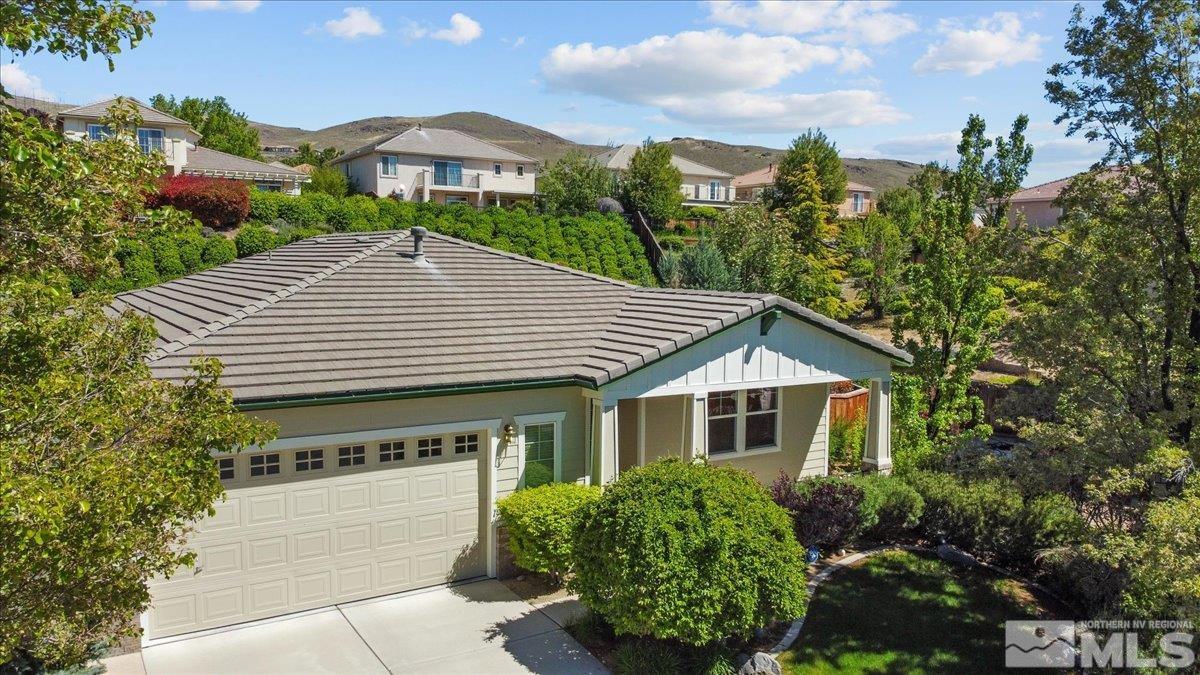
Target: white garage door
x,y
302,529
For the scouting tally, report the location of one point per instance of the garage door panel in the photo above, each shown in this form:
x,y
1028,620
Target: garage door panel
x,y
228,515
352,497
393,532
266,552
223,604
267,597
219,558
266,508
310,545
393,492
310,502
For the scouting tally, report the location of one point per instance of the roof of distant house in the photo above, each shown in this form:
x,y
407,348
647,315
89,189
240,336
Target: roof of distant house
x,y
766,176
100,109
618,159
201,159
304,168
438,143
1048,192
353,314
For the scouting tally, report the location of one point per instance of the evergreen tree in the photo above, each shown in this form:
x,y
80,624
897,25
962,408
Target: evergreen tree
x,y
811,147
652,184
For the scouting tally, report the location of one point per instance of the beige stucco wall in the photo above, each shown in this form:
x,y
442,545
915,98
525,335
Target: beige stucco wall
x,y
365,173
846,208
690,181
1040,215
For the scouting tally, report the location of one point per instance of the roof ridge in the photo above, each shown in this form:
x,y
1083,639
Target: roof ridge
x,y
476,138
255,307
516,256
135,100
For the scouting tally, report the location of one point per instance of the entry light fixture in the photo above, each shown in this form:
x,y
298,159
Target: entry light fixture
x,y
510,434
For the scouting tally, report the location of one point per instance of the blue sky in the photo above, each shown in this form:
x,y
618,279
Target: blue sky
x,y
883,79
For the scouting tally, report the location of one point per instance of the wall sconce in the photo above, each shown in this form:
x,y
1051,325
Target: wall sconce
x,y
510,434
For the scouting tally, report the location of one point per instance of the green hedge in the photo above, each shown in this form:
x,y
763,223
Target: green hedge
x,y
541,523
253,239
890,510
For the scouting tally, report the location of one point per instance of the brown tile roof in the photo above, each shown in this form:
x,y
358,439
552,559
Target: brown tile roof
x,y
1050,191
766,176
352,314
207,161
100,109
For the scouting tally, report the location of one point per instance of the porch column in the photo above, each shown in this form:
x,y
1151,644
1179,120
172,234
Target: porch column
x,y
699,421
608,443
425,186
878,454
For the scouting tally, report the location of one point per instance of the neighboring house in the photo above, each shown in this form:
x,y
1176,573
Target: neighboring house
x,y
1039,205
702,185
280,149
177,141
413,390
442,166
749,187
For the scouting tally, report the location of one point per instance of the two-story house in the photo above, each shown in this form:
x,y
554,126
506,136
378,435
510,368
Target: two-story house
x,y
702,185
749,187
443,166
179,144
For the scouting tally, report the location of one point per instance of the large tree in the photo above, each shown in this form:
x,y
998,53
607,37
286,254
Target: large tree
x,y
573,185
220,126
878,258
652,184
104,467
814,148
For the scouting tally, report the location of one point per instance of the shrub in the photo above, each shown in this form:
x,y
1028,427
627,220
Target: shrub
x,y
541,523
166,257
671,242
685,551
890,509
395,214
328,180
646,657
538,474
824,511
355,213
847,438
218,251
322,204
190,246
264,205
215,202
137,265
252,239
287,233
300,211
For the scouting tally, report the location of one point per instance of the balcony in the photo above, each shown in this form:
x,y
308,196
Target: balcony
x,y
453,181
706,194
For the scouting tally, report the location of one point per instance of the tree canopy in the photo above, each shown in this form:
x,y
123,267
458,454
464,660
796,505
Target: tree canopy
x,y
220,126
573,185
652,183
815,148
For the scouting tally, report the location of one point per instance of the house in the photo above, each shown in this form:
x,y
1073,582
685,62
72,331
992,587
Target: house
x,y
177,141
416,379
1039,205
749,187
443,166
702,185
280,149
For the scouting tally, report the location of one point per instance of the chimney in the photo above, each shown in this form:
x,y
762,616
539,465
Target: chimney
x,y
418,237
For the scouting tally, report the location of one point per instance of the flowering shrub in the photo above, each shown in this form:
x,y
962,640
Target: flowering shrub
x,y
215,202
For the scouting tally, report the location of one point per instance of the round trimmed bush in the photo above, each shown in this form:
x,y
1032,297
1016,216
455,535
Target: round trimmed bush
x,y
890,509
322,204
300,211
264,205
217,251
166,257
541,524
253,239
191,250
357,213
137,264
691,552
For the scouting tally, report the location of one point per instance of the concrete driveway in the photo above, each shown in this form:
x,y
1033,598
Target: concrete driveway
x,y
481,627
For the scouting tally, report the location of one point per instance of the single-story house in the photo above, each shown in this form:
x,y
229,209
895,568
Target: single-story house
x,y
178,143
749,187
702,185
440,165
417,379
1039,204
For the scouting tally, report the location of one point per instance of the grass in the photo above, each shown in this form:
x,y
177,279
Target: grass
x,y
911,613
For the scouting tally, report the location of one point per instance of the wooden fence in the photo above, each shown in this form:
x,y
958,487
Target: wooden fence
x,y
641,228
849,405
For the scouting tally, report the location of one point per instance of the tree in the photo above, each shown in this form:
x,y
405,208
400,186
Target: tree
x,y
72,29
104,467
221,127
573,185
652,183
903,206
953,309
307,154
878,257
701,266
811,147
328,180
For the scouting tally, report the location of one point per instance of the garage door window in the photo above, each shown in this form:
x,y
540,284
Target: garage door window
x,y
225,468
264,465
466,443
352,455
428,448
391,451
310,460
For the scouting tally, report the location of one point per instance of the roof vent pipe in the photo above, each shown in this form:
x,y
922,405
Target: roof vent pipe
x,y
418,235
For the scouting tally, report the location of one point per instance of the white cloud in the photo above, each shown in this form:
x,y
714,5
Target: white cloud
x,y
587,132
463,29
242,6
712,78
993,42
356,23
20,83
853,22
941,147
514,43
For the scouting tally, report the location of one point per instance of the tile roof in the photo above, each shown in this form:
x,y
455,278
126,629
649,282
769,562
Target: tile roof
x,y
209,161
1051,190
618,159
100,109
438,143
766,176
352,314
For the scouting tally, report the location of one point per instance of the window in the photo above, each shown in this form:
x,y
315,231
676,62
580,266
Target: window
x,y
264,465
447,173
98,132
150,140
429,447
714,188
310,460
520,171
539,454
856,201
456,199
388,165
352,455
743,421
268,187
497,169
465,443
225,466
695,192
391,451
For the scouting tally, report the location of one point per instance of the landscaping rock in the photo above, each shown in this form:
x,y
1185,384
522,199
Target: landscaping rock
x,y
956,556
761,663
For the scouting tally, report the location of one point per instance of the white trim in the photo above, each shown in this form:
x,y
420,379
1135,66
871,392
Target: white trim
x,y
641,442
382,162
826,415
373,435
739,428
701,389
557,418
495,437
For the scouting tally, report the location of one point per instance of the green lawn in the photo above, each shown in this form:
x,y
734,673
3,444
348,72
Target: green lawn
x,y
911,613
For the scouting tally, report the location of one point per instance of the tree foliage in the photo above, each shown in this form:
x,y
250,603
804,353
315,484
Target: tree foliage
x,y
810,148
308,154
878,259
573,185
221,127
72,28
328,180
652,183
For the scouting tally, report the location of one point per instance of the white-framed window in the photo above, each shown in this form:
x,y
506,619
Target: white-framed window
x,y
268,187
466,443
456,199
497,169
98,132
389,165
429,448
226,468
714,188
352,455
447,173
856,202
742,421
150,140
520,171
391,451
266,464
696,191
310,460
539,439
